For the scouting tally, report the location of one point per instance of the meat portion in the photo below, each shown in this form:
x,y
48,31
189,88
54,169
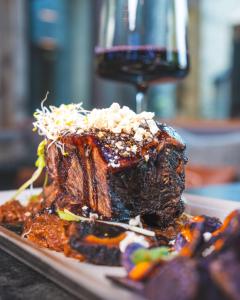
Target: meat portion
x,y
118,187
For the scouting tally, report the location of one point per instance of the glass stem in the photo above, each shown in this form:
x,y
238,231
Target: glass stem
x,y
141,101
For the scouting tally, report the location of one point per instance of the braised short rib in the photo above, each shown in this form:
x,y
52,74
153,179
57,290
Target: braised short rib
x,y
97,171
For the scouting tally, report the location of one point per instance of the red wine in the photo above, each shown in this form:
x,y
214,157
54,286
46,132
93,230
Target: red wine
x,y
141,65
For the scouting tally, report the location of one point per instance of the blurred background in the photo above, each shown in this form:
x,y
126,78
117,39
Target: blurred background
x,y
48,45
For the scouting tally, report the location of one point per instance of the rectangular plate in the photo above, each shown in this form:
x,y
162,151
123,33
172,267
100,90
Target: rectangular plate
x,y
85,280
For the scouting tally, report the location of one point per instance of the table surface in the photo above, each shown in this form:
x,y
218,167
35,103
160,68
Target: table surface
x,y
18,281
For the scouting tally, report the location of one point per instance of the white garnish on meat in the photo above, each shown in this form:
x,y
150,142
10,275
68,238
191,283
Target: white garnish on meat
x,y
139,134
152,126
119,145
130,238
85,207
135,221
122,132
113,164
54,122
133,149
146,157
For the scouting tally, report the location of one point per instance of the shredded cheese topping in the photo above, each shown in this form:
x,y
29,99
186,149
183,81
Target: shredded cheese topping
x,y
55,122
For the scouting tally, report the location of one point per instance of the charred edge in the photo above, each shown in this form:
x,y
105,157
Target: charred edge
x,y
151,188
62,171
94,181
83,164
99,230
98,254
59,162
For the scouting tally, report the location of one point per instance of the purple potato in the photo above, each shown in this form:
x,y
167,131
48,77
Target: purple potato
x,y
180,242
126,256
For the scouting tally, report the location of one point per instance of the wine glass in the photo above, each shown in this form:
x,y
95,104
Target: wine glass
x,y
142,42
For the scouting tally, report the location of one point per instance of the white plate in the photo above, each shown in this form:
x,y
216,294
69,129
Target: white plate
x,y
86,280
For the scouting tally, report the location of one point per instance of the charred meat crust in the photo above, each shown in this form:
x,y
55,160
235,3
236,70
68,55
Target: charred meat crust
x,y
97,254
151,188
99,230
105,253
